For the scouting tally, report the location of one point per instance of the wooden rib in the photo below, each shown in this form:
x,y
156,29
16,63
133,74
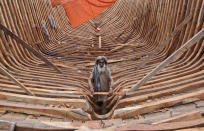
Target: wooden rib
x,y
16,81
74,54
170,59
27,46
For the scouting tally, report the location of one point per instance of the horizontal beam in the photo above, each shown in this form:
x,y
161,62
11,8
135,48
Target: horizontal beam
x,y
69,102
153,106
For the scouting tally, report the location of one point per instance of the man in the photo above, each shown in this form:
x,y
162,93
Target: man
x,y
100,80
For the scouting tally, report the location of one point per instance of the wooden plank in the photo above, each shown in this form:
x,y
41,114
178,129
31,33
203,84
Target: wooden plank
x,y
76,103
109,61
170,59
102,93
76,114
184,117
6,125
150,107
163,126
192,129
13,116
27,46
28,125
160,93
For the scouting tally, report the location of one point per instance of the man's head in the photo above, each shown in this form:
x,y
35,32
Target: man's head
x,y
101,63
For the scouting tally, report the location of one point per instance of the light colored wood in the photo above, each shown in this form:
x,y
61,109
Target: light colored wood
x,y
74,103
109,62
192,129
150,107
7,125
156,94
184,117
76,114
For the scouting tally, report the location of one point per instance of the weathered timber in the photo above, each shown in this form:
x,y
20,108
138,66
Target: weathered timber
x,y
150,107
29,125
170,59
161,93
163,126
28,47
184,117
102,93
76,114
76,103
7,125
109,61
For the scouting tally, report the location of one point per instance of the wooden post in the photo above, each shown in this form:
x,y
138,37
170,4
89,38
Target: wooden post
x,y
170,59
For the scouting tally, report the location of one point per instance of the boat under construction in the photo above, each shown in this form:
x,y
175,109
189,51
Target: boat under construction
x,y
154,50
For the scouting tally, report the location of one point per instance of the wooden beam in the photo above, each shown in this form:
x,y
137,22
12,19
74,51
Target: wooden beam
x,y
109,61
68,102
170,59
163,126
7,125
76,114
159,93
184,117
15,81
28,47
153,106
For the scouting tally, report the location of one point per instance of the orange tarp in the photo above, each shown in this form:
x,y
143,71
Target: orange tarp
x,y
80,11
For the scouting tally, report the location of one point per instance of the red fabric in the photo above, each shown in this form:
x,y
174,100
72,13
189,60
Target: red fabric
x,y
80,11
